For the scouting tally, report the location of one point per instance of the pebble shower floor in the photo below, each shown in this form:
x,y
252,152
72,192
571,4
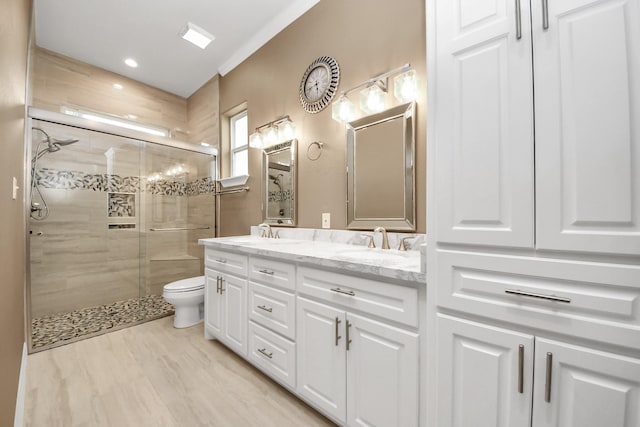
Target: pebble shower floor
x,y
57,328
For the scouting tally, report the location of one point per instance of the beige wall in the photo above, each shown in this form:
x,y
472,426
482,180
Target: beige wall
x,y
203,113
60,80
365,41
14,37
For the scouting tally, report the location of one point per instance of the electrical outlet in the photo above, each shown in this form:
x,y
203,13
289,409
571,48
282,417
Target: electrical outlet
x,y
326,220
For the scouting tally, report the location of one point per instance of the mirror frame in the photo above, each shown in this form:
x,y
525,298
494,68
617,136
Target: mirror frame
x,y
407,139
291,147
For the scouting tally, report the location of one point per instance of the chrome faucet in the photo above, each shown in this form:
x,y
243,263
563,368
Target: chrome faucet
x,y
266,230
385,238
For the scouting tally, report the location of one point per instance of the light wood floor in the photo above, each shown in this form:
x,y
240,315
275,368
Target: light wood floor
x,y
155,375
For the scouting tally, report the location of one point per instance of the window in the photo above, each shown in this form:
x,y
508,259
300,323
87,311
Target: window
x,y
239,144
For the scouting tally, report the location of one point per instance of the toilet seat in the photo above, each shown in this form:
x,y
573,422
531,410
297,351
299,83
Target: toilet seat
x,y
185,285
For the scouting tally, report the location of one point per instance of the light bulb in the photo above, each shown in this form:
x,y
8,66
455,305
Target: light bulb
x,y
286,131
406,86
255,140
270,136
372,100
343,110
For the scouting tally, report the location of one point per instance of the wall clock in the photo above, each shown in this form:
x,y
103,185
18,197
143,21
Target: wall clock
x,y
319,84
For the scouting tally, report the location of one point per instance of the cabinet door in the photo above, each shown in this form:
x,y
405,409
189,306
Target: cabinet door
x,y
321,357
234,292
212,303
587,111
479,372
482,110
382,374
588,388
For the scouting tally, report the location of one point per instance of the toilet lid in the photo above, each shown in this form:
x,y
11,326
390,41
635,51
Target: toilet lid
x,y
190,284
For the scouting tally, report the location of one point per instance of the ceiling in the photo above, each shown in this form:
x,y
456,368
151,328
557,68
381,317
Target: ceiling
x,y
105,32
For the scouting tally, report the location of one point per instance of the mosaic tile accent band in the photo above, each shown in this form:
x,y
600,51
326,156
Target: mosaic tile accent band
x,y
75,180
57,328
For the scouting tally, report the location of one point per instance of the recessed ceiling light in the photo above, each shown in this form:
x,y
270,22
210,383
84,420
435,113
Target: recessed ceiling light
x,y
117,86
131,62
196,35
204,144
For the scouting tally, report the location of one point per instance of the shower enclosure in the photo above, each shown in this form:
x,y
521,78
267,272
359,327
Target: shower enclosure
x,y
113,219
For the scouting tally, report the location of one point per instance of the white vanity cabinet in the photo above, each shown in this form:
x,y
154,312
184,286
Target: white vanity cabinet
x,y
225,304
272,323
487,379
583,59
359,370
533,196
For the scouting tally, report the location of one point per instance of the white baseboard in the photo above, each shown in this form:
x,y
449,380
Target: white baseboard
x,y
18,420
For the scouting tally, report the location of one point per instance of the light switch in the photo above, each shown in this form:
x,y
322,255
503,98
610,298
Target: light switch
x,y
15,188
326,220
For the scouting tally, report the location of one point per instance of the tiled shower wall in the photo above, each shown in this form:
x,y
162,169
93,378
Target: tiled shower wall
x,y
77,261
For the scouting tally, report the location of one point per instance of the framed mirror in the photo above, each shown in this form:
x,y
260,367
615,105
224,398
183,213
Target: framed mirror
x,y
381,171
279,184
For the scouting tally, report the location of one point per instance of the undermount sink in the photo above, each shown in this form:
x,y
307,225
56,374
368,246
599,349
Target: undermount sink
x,y
373,255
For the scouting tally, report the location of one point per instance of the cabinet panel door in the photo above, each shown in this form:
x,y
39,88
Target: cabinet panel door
x,y
212,303
588,388
234,292
483,105
588,125
382,374
322,362
478,375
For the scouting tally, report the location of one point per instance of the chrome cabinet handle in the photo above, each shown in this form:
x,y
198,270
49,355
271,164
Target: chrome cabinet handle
x,y
540,296
265,352
222,287
348,339
338,321
266,272
545,14
547,384
221,261
265,308
218,284
521,369
518,20
341,291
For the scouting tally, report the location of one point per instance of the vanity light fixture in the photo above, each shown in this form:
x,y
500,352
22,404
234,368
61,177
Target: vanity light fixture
x,y
279,130
373,96
196,35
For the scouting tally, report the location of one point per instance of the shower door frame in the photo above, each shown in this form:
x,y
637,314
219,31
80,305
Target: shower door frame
x,y
85,124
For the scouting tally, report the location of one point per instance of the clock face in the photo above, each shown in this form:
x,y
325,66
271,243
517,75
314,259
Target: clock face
x,y
319,84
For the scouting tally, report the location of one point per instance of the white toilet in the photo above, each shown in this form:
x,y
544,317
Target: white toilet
x,y
187,296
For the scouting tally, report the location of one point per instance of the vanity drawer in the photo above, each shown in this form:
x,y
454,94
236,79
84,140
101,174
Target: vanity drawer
x,y
226,262
275,355
596,301
272,272
272,308
394,302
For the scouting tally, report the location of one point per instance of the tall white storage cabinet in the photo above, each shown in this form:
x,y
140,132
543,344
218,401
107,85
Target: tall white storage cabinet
x,y
533,213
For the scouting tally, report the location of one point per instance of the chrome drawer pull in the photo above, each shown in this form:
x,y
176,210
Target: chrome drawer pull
x,y
520,369
221,261
265,308
518,20
540,296
547,384
266,272
265,352
545,14
341,291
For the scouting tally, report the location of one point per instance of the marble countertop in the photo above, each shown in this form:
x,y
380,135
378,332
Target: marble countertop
x,y
390,263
